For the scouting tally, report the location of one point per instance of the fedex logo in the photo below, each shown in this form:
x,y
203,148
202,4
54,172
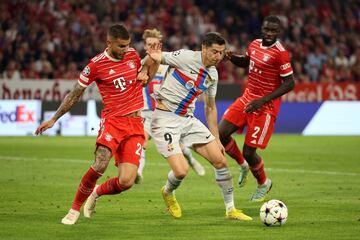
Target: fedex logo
x,y
20,115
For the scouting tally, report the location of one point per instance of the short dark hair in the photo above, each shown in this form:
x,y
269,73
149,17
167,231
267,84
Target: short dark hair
x,y
118,31
213,38
273,19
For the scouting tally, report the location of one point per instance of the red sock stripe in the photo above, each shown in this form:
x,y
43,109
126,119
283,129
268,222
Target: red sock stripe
x,y
259,172
234,152
85,188
110,187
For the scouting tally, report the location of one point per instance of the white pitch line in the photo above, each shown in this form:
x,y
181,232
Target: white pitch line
x,y
14,158
67,160
312,171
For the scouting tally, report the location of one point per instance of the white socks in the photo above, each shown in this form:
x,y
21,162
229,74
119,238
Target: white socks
x,y
142,162
224,181
245,164
172,183
187,154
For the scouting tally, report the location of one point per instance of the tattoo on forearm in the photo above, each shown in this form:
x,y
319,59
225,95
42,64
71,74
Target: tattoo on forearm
x,y
69,101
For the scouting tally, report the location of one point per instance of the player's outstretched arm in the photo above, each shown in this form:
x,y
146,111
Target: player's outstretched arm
x,y
151,63
69,101
239,60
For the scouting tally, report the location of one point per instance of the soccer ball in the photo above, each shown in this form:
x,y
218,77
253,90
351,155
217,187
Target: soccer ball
x,y
273,213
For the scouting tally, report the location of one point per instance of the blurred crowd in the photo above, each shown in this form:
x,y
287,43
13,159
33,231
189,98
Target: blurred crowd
x,y
55,39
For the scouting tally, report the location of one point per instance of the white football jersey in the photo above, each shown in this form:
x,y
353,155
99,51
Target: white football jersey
x,y
153,87
187,79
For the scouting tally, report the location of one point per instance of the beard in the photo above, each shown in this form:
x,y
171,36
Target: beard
x,y
267,42
117,55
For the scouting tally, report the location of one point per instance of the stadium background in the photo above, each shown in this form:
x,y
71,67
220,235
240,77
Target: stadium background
x,y
44,45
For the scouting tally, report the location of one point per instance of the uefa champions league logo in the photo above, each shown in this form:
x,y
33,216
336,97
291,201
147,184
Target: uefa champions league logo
x,y
86,71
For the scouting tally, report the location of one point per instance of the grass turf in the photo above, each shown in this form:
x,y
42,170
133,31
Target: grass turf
x,y
318,178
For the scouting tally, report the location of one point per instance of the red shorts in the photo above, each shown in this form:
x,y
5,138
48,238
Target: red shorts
x,y
124,136
260,125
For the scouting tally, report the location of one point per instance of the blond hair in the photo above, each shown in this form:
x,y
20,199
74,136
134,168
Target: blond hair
x,y
152,33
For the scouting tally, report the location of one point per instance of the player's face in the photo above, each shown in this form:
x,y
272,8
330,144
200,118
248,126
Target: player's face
x,y
212,55
270,32
118,47
150,41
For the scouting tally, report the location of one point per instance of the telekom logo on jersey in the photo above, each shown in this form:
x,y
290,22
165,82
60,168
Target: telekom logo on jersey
x,y
120,83
20,114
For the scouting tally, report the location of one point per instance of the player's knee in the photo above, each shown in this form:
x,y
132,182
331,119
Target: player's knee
x,y
126,182
224,138
181,173
220,164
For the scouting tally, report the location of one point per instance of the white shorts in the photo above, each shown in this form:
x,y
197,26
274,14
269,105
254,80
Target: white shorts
x,y
169,130
147,116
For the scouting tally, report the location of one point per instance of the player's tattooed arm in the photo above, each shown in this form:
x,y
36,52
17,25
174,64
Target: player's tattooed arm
x,y
69,101
239,60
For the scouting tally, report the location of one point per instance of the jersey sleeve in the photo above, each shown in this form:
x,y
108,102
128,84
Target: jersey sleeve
x,y
212,89
138,61
248,51
174,59
285,67
88,75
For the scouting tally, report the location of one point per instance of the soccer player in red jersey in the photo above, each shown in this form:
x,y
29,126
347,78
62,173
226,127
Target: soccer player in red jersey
x,y
121,134
270,77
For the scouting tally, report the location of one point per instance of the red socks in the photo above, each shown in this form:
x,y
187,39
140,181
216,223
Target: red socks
x,y
110,187
234,152
259,172
85,188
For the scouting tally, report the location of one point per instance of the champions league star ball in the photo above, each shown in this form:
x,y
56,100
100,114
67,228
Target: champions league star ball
x,y
273,213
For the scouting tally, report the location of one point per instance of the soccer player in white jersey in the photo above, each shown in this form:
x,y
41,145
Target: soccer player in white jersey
x,y
270,77
150,37
191,74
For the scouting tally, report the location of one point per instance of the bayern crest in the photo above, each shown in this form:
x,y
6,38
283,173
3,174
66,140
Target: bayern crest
x,y
108,137
131,64
266,57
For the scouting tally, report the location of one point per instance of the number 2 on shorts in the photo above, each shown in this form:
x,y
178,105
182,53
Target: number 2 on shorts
x,y
138,151
256,131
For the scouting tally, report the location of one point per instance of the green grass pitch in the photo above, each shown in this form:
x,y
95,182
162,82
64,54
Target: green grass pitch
x,y
318,178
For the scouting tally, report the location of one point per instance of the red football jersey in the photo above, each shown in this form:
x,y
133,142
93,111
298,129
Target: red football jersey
x,y
267,66
116,79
